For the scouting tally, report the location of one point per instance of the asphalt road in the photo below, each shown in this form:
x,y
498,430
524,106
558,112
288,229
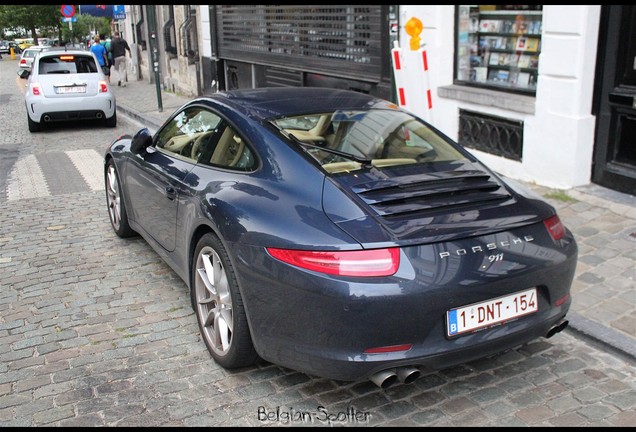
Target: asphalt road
x,y
98,331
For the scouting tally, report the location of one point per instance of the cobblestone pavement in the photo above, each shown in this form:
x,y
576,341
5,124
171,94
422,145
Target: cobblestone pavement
x,y
98,331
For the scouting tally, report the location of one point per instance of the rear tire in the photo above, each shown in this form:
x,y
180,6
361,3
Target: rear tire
x,y
219,306
33,126
112,122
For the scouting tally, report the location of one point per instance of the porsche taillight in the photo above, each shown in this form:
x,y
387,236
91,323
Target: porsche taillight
x,y
364,263
554,227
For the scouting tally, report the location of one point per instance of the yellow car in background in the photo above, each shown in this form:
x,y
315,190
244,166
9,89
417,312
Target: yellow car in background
x,y
25,43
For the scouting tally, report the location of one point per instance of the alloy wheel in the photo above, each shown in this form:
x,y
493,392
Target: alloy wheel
x,y
113,197
213,301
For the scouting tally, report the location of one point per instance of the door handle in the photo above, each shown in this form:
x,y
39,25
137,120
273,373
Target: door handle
x,y
170,193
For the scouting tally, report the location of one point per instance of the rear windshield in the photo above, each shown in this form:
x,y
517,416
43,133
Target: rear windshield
x,y
30,53
344,141
66,64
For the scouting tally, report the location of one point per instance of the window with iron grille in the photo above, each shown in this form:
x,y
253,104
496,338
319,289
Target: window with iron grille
x,y
495,135
169,33
189,38
324,38
141,39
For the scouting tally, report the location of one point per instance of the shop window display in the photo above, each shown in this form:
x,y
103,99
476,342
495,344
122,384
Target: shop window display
x,y
498,46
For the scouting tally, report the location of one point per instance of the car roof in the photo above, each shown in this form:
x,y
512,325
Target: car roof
x,y
271,102
62,50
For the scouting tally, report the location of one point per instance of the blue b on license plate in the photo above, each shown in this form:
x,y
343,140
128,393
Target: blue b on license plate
x,y
486,314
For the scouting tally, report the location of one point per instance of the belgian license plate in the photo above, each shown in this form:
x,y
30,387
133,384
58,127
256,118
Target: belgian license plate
x,y
74,89
486,314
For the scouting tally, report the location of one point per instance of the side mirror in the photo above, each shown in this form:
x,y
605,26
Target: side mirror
x,y
141,141
23,73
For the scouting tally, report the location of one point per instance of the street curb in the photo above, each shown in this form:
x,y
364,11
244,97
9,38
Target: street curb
x,y
140,117
602,335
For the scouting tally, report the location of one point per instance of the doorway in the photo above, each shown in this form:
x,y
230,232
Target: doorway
x,y
614,164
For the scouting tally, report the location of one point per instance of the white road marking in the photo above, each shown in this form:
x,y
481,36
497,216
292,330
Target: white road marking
x,y
26,180
90,165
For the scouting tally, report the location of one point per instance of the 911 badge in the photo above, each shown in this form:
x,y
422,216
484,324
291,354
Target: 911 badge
x,y
494,258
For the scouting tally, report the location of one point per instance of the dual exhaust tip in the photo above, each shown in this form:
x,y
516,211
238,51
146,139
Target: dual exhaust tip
x,y
386,378
98,116
406,375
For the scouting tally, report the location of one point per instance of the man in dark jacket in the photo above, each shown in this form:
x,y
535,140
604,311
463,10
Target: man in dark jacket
x,y
118,47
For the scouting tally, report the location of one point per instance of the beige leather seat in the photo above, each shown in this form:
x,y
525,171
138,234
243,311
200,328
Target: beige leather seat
x,y
229,149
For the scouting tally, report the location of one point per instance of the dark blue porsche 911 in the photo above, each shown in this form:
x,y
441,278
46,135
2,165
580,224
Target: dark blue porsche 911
x,y
333,233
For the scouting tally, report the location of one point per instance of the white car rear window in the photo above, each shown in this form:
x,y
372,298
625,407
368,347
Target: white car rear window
x,y
67,63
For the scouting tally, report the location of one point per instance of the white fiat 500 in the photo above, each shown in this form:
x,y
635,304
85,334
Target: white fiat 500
x,y
68,85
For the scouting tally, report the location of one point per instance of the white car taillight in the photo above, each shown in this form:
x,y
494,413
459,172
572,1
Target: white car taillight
x,y
35,89
103,87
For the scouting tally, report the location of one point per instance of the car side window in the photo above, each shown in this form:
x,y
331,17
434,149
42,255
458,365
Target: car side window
x,y
185,135
227,149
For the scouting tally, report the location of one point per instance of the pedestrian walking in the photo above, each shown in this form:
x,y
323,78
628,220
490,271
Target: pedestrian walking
x,y
102,57
119,46
105,41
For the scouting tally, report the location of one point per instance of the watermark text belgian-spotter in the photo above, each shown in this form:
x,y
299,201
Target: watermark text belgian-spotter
x,y
288,415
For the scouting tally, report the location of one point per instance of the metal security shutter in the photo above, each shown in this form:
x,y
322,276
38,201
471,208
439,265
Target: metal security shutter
x,y
345,40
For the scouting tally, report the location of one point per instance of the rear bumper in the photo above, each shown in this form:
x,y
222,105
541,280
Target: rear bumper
x,y
323,325
94,107
429,355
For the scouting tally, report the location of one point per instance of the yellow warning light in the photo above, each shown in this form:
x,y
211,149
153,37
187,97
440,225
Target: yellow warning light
x,y
413,28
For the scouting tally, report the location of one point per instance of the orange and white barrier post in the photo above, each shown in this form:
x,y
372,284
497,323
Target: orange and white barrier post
x,y
427,84
411,74
396,56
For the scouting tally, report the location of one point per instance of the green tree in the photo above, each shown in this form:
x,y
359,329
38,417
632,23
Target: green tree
x,y
31,18
85,26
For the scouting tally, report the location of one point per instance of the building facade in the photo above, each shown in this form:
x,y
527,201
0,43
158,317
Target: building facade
x,y
541,93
